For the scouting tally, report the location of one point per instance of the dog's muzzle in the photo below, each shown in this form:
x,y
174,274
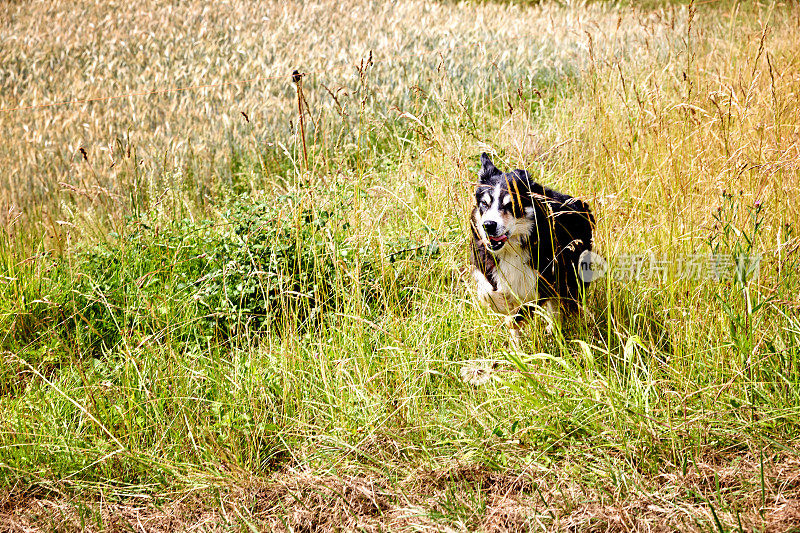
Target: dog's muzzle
x,y
495,241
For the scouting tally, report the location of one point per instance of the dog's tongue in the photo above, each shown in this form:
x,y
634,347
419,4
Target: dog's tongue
x,y
501,238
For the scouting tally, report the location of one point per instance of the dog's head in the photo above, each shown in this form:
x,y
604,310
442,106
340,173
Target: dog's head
x,y
506,207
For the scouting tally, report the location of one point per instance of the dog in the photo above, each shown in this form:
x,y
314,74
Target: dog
x,y
527,243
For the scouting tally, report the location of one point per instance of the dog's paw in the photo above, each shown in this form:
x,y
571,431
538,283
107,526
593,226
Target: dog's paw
x,y
485,291
502,302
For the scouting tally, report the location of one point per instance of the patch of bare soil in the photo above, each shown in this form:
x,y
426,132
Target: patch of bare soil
x,y
458,497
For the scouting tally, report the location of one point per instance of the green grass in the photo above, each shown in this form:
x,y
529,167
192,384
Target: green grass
x,y
217,334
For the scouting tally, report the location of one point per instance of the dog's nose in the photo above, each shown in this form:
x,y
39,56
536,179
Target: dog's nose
x,y
490,227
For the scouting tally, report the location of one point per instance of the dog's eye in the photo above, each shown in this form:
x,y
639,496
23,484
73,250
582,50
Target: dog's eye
x,y
484,204
507,206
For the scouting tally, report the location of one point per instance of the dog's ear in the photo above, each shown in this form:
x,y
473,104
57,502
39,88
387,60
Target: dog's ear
x,y
520,188
487,167
523,180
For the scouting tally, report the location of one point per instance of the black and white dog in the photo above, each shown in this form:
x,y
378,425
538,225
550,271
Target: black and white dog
x,y
527,242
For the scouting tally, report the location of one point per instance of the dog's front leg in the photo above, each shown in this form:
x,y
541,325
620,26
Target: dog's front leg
x,y
497,300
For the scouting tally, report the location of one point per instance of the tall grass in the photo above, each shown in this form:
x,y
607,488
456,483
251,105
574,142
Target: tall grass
x,y
191,309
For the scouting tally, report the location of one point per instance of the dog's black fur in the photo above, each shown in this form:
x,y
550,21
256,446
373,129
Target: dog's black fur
x,y
560,232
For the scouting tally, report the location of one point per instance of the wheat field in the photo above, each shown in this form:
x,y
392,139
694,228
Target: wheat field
x,y
229,305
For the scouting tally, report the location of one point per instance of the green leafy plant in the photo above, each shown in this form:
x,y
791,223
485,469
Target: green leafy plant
x,y
275,261
735,262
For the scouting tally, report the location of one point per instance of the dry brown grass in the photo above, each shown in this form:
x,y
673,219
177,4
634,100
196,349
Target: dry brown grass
x,y
556,498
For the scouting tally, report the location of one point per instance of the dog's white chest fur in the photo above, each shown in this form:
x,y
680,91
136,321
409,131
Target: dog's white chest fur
x,y
514,274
